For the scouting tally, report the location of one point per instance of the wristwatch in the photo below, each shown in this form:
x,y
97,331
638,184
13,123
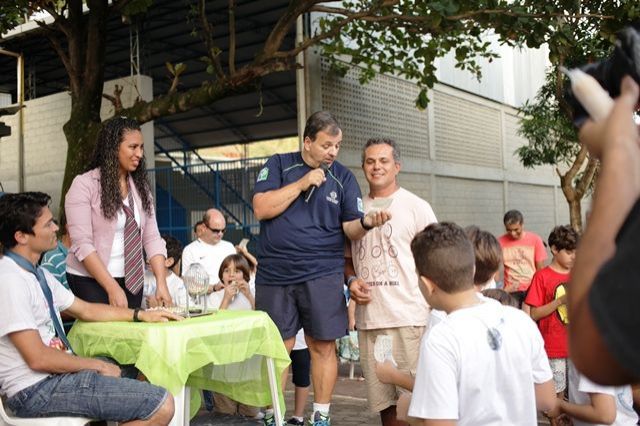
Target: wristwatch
x,y
366,227
136,311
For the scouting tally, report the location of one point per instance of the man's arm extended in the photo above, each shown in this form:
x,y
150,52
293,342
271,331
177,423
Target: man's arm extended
x,y
615,142
354,229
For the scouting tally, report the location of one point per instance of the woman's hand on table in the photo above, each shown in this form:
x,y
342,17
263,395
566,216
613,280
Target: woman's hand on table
x,y
158,315
117,297
162,294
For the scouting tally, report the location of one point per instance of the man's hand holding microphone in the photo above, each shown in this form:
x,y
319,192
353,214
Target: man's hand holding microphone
x,y
312,180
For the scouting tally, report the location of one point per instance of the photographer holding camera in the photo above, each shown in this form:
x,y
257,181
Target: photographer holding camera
x,y
605,287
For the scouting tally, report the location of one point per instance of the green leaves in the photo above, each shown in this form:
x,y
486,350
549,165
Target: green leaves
x,y
405,37
177,69
136,7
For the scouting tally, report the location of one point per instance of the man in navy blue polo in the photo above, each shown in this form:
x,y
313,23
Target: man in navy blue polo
x,y
306,203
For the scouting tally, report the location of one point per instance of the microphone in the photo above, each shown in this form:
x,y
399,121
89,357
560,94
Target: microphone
x,y
309,192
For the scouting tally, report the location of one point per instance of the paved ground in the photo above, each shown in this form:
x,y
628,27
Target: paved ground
x,y
349,406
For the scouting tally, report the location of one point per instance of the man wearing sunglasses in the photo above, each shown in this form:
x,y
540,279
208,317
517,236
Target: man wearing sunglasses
x,y
209,249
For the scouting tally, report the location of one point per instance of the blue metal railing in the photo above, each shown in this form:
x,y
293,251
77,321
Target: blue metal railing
x,y
185,191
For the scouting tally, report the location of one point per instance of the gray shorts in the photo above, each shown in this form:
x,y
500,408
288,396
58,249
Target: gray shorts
x,y
317,305
89,394
559,370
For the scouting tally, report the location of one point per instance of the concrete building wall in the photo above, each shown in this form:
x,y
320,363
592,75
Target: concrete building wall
x,y
459,154
45,146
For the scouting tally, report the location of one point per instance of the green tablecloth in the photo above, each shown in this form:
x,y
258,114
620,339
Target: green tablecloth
x,y
223,352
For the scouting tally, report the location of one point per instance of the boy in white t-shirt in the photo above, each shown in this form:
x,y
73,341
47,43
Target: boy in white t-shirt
x,y
593,404
484,363
174,282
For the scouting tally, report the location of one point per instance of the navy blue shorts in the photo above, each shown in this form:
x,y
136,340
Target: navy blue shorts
x,y
300,367
317,305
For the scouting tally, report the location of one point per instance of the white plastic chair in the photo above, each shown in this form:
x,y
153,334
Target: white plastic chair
x,y
6,420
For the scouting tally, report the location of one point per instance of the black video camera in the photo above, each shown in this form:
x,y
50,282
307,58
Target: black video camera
x,y
609,72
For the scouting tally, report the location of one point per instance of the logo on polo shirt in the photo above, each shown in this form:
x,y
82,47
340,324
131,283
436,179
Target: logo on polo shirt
x,y
263,175
333,197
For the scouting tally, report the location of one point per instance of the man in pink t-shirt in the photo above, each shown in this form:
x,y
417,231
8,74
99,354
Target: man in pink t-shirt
x,y
523,254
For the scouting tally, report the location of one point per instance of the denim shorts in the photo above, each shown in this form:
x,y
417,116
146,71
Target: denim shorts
x,y
88,394
317,305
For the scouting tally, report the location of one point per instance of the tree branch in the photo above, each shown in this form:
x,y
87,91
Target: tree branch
x,y
94,55
51,35
337,26
118,6
585,180
232,37
578,162
523,15
116,99
281,28
566,180
207,93
471,14
59,23
207,36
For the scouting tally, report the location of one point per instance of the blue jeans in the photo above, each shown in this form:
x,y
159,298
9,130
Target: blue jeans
x,y
88,394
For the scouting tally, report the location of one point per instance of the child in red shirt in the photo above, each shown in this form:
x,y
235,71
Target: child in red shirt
x,y
547,299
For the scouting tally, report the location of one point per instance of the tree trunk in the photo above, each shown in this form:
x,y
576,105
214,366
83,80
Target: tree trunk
x,y
575,214
81,135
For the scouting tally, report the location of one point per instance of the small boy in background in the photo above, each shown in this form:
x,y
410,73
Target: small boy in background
x,y
593,404
547,300
484,363
488,255
174,282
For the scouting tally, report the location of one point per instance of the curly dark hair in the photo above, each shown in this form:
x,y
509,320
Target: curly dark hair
x,y
105,158
563,238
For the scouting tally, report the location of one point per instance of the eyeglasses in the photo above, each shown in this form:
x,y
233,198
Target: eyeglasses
x,y
216,231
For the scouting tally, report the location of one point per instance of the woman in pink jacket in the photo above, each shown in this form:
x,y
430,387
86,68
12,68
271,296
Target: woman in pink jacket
x,y
111,218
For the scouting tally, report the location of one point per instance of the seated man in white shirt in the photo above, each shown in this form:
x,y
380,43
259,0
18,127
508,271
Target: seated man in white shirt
x,y
39,375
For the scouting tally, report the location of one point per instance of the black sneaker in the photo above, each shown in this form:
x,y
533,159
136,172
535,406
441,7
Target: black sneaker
x,y
295,422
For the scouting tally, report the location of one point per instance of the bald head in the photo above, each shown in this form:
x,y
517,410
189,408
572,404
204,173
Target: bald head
x,y
215,222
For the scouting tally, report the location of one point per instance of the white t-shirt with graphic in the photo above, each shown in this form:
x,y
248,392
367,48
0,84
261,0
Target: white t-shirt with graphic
x,y
478,366
383,259
580,387
24,307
